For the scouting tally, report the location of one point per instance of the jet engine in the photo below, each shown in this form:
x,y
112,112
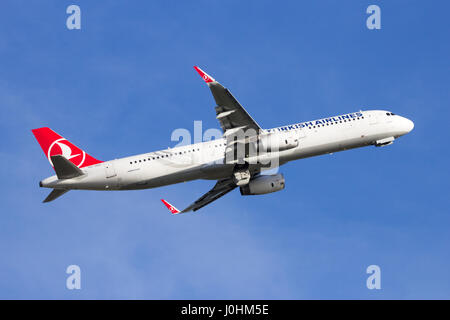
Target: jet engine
x,y
263,184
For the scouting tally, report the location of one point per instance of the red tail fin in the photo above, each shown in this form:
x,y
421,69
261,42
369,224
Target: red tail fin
x,y
53,144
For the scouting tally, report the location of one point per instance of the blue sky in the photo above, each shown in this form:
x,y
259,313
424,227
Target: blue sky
x,y
124,82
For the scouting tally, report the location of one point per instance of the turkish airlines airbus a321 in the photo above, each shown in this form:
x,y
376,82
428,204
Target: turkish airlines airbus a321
x,y
235,160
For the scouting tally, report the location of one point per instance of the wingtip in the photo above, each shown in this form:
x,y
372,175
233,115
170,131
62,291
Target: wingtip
x,y
206,77
171,208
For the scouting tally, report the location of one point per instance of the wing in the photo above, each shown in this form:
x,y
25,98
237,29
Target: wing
x,y
240,130
221,188
229,111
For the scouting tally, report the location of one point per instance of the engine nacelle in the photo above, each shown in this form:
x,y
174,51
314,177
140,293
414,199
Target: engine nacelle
x,y
277,142
263,184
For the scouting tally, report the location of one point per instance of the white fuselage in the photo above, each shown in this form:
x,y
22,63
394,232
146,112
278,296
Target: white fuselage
x,y
206,160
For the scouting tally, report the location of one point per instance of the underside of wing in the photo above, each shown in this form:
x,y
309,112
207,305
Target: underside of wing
x,y
240,129
230,113
221,188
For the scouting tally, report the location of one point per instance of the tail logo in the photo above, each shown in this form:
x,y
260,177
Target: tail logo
x,y
67,150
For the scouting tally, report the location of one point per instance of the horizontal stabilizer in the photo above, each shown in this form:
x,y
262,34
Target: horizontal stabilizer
x,y
64,168
56,193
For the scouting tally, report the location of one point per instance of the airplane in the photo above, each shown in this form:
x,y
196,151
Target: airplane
x,y
237,160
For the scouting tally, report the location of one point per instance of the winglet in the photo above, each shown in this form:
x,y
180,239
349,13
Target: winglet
x,y
170,207
204,75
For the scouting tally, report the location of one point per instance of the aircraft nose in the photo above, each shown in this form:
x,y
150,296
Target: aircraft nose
x,y
409,125
406,125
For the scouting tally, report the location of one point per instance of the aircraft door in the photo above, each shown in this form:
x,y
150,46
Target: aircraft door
x,y
373,118
109,169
